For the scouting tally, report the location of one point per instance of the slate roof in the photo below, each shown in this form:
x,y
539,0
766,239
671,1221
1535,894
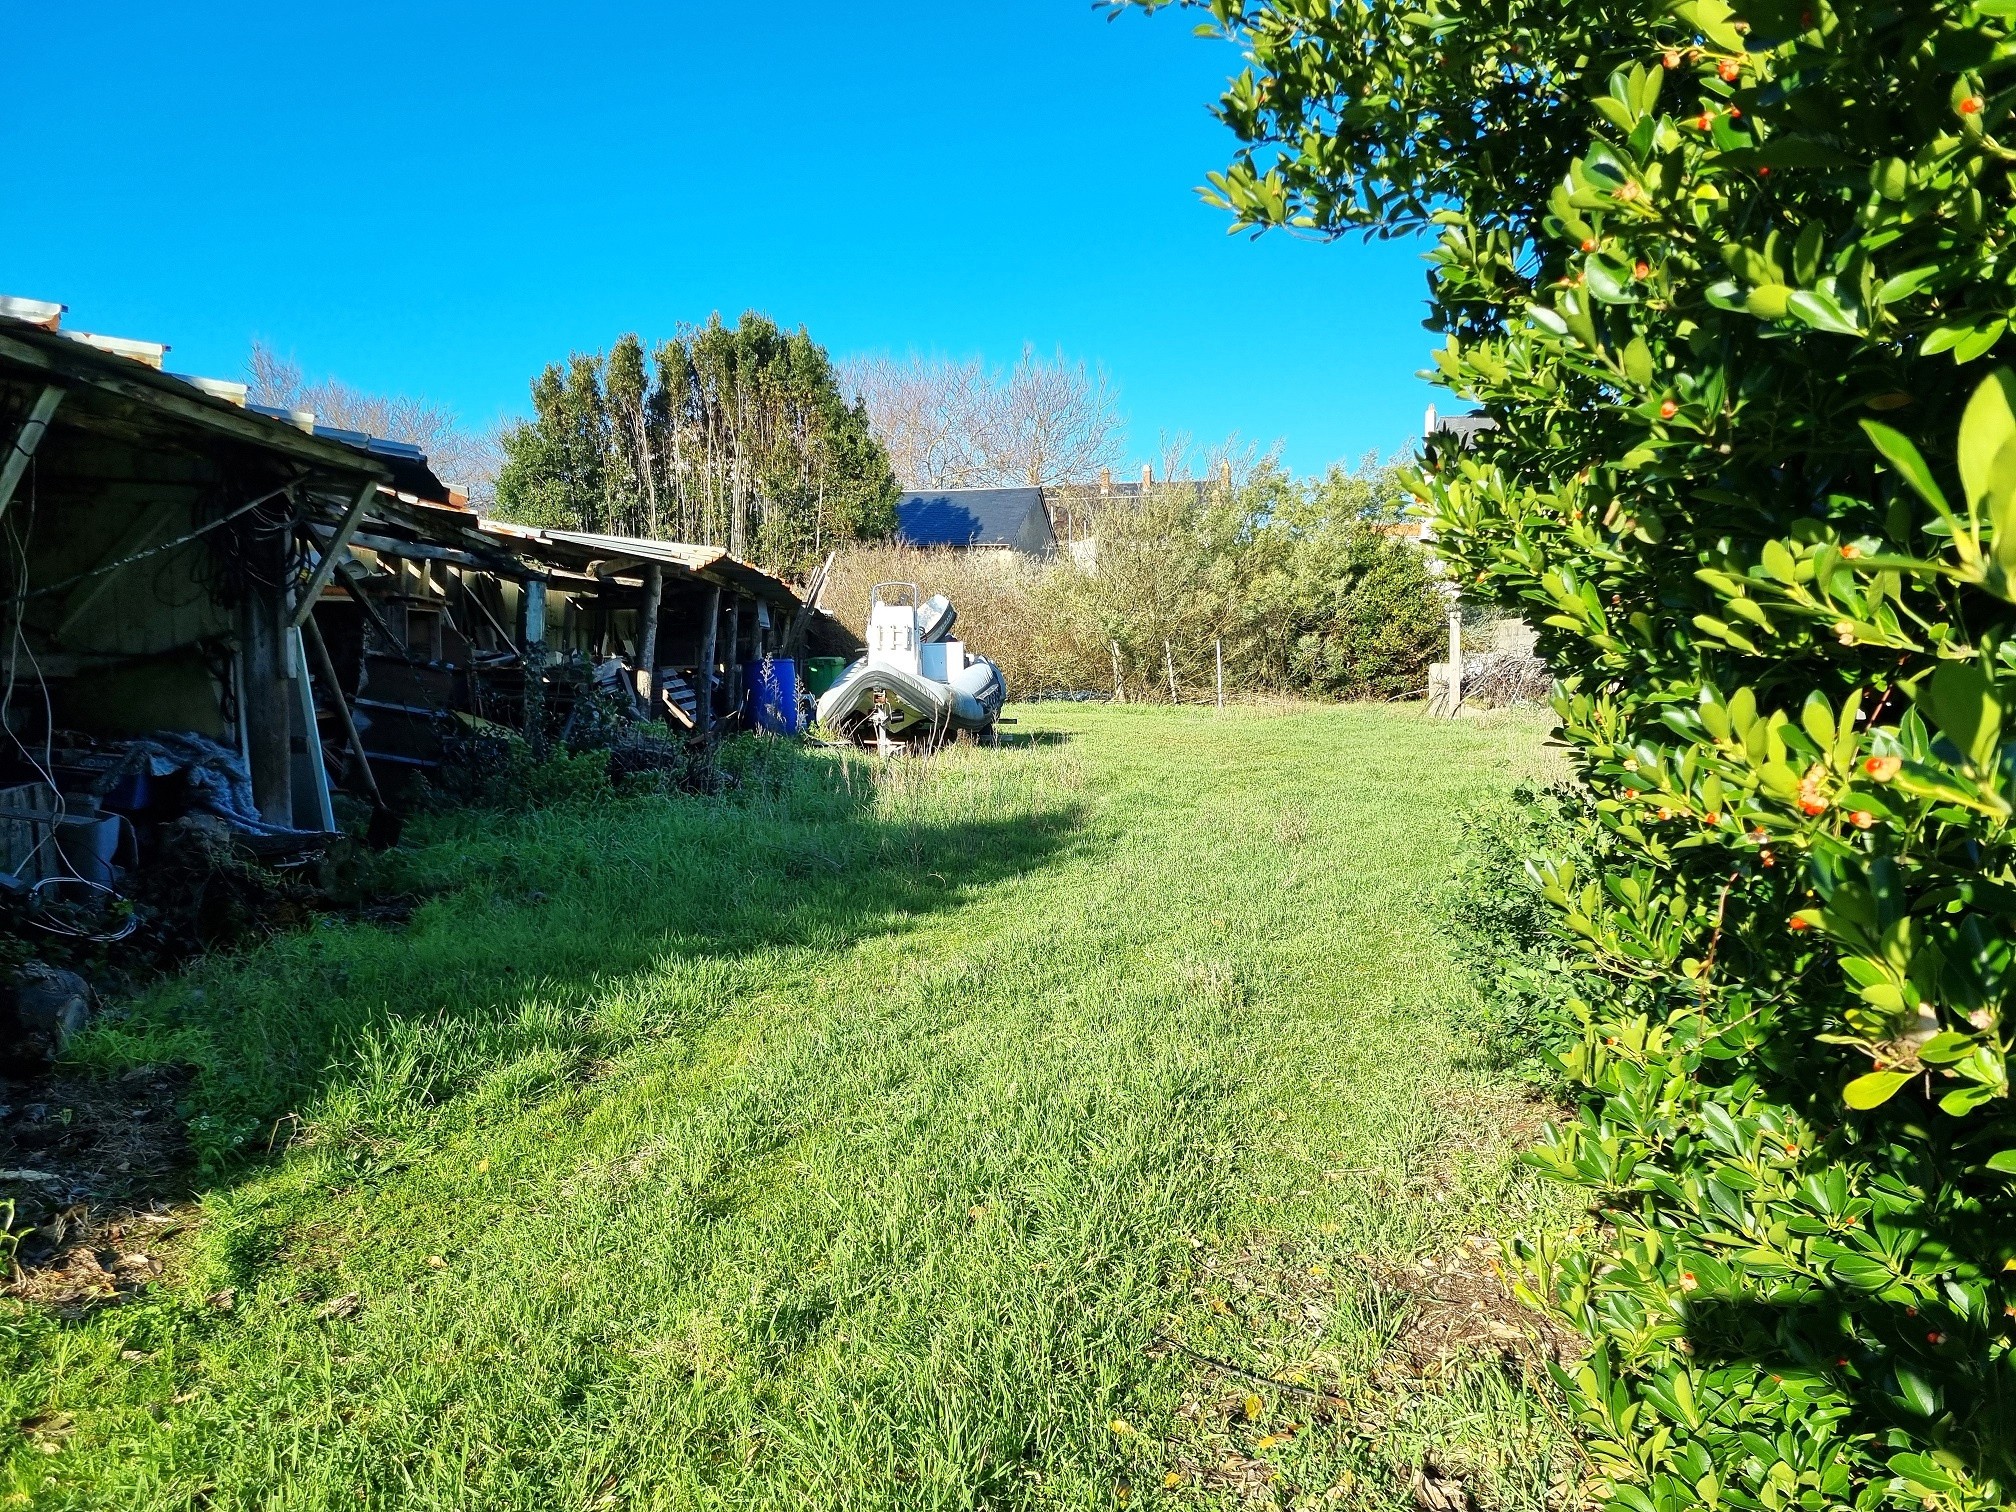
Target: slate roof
x,y
1012,517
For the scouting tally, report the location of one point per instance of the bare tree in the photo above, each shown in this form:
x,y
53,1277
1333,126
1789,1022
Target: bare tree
x,y
466,458
1054,421
929,413
1232,460
952,424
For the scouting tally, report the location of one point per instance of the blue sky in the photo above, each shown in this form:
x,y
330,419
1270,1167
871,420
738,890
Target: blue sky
x,y
436,199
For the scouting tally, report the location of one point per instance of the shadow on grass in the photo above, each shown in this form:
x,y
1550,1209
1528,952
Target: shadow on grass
x,y
557,937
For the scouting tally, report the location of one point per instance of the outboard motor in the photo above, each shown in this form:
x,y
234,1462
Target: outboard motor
x,y
935,618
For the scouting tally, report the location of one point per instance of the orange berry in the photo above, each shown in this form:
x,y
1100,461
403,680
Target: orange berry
x,y
1688,1281
1730,70
1850,551
1883,768
1935,1337
1799,924
1670,62
1768,859
1970,106
1862,819
1641,269
1701,124
1668,410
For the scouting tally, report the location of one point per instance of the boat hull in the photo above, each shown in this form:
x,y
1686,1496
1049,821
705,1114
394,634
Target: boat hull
x,y
914,707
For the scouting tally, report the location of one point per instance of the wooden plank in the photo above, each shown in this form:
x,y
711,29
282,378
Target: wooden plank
x,y
318,770
331,551
735,656
419,552
326,665
647,647
705,692
26,439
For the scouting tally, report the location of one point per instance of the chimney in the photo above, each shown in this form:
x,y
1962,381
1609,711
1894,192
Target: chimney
x,y
1147,476
1225,472
1105,481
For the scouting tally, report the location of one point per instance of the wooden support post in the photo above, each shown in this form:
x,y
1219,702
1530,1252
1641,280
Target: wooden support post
x,y
734,656
331,551
317,770
1169,666
1218,652
704,694
269,713
535,664
647,639
22,452
326,666
1119,692
1455,661
1445,679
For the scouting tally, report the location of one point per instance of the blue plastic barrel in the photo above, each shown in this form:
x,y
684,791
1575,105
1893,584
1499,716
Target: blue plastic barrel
x,y
773,696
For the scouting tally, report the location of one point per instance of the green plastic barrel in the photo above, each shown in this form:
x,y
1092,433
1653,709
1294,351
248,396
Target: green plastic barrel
x,y
821,672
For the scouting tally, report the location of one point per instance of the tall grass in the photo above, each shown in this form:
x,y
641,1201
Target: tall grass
x,y
853,1143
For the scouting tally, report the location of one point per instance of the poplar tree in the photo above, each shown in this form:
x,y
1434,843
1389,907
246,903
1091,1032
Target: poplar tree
x,y
733,436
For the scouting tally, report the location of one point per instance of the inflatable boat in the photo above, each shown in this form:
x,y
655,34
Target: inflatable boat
x,y
916,685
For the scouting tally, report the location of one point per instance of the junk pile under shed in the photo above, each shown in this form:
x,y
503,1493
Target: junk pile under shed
x,y
222,612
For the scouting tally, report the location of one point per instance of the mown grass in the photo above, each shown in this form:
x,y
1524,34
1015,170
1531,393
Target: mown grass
x,y
851,1142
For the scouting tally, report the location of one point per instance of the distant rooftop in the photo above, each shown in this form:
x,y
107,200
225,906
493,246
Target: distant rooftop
x,y
1010,517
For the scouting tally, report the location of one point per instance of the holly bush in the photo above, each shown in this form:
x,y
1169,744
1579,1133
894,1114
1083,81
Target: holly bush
x,y
1733,283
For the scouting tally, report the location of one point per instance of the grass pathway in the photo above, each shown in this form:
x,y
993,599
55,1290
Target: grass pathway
x,y
852,1143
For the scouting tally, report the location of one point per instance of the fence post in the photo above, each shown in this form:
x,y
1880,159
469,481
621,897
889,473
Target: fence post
x,y
1169,666
1218,652
1119,692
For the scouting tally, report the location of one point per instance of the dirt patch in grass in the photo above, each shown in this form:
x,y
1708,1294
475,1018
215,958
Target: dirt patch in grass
x,y
91,1175
1317,1380
1319,1385
1457,1307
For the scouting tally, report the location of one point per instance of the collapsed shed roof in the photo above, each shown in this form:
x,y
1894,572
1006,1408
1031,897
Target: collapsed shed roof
x,y
625,556
617,556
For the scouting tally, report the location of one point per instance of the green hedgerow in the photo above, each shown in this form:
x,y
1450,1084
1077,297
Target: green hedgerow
x,y
1724,275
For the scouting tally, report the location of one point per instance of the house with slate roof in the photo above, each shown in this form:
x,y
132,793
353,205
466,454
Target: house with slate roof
x,y
977,519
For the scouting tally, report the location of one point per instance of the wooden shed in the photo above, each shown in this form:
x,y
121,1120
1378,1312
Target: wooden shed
x,y
155,548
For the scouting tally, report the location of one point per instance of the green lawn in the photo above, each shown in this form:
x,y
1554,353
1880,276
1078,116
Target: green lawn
x,y
855,1141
